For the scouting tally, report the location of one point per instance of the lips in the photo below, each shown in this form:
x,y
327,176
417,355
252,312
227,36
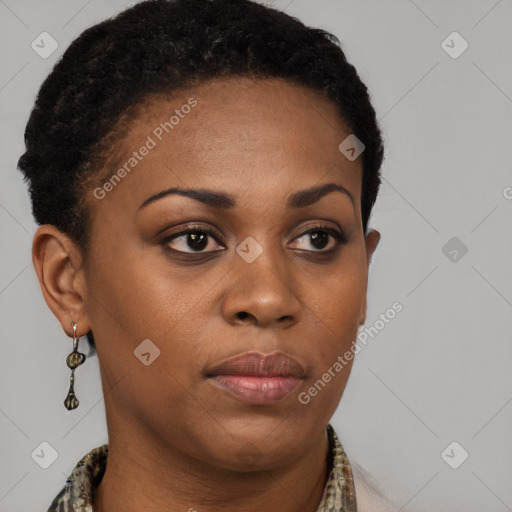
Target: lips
x,y
256,378
255,364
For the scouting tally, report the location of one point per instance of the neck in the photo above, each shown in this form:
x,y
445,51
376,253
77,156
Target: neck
x,y
150,475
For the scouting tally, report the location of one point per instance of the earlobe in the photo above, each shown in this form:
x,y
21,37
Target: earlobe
x,y
371,243
362,320
58,264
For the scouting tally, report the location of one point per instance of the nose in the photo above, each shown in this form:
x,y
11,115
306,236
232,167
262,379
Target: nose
x,y
262,293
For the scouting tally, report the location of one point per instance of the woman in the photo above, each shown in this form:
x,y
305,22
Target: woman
x,y
203,173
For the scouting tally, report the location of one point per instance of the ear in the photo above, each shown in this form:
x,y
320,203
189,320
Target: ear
x,y
371,242
58,263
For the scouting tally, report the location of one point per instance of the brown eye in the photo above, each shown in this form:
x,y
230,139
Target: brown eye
x,y
192,240
319,237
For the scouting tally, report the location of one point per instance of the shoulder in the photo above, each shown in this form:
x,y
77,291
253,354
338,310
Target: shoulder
x,y
77,493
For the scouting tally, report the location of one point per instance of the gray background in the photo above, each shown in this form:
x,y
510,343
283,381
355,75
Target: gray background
x,y
439,371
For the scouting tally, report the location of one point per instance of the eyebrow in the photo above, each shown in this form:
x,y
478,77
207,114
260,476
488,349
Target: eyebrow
x,y
222,200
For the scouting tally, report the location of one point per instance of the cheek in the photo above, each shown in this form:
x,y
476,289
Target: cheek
x,y
131,298
335,314
130,302
338,303
127,288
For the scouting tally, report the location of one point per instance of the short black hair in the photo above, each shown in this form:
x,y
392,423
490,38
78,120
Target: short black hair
x,y
157,47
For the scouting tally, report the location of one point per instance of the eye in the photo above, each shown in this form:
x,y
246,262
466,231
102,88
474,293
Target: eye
x,y
319,238
193,239
197,239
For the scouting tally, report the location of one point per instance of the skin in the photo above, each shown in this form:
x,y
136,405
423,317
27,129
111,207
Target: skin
x,y
259,140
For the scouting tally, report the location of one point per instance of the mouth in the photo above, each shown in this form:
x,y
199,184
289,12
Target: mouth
x,y
257,378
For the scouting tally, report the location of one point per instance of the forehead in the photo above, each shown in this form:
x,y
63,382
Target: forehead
x,y
265,135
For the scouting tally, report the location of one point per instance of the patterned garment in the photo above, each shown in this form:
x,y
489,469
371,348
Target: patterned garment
x,y
77,495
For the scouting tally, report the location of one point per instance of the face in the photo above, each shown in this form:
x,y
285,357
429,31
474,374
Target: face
x,y
256,262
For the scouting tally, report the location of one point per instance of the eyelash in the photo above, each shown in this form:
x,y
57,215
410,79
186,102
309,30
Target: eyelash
x,y
340,238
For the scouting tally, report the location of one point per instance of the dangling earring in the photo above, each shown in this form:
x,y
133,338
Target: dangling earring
x,y
73,360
